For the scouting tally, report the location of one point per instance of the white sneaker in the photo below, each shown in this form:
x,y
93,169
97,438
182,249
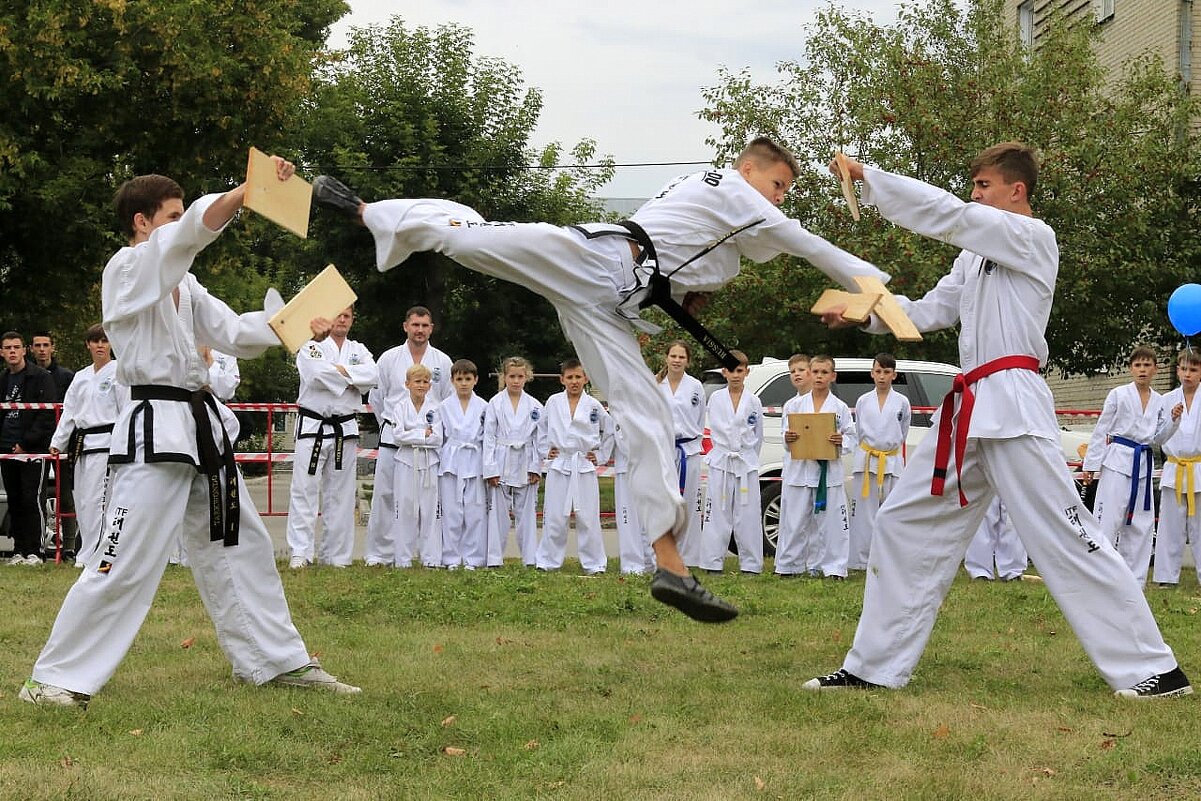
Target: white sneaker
x,y
298,562
33,559
16,559
35,692
312,676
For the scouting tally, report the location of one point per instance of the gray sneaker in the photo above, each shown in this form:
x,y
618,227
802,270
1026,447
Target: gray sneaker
x,y
686,594
313,677
35,692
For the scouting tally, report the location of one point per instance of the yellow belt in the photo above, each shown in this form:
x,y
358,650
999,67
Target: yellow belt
x,y
881,466
1184,480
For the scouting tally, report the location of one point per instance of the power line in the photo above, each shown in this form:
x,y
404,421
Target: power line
x,y
498,167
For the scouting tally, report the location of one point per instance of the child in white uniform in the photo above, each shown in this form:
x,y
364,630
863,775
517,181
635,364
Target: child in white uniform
x,y
1178,518
686,400
637,556
1133,420
417,530
514,442
882,418
732,497
461,484
794,556
996,546
1000,293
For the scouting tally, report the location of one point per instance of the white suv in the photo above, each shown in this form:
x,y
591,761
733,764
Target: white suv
x,y
924,383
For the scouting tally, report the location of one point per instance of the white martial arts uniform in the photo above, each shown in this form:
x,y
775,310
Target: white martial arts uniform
x,y
327,435
1178,500
879,457
417,529
1000,293
91,406
996,543
1120,449
587,271
571,483
461,483
635,551
814,538
155,489
732,497
389,390
514,443
687,407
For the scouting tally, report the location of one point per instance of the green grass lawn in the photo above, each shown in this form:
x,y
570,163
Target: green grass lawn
x,y
565,687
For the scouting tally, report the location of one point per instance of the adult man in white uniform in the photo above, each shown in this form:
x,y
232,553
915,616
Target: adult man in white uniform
x,y
387,394
699,227
172,465
335,373
999,290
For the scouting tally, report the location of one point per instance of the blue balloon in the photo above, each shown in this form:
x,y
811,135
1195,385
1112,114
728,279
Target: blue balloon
x,y
1184,309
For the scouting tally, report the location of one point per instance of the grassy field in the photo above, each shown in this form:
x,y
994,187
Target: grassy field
x,y
565,687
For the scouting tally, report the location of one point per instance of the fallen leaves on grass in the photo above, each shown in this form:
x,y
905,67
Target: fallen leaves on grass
x,y
978,707
297,712
532,745
942,732
760,785
453,751
503,641
66,762
1108,744
136,732
438,648
1048,772
449,720
1065,729
1117,736
635,719
188,643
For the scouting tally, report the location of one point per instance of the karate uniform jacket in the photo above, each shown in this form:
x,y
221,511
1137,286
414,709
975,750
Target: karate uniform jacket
x,y
93,400
224,376
328,393
687,406
881,429
514,440
807,472
416,448
462,436
1123,416
1185,443
737,433
589,429
390,385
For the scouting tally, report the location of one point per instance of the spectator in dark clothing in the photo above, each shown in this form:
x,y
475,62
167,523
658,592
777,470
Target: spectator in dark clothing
x,y
24,431
42,347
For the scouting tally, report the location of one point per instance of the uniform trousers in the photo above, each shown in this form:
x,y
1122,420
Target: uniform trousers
x,y
150,505
811,541
378,547
636,554
732,509
417,527
863,516
689,540
1133,541
996,543
565,492
91,481
336,490
1175,526
521,503
464,520
921,539
581,278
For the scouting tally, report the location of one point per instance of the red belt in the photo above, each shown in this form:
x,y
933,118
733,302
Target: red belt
x,y
947,426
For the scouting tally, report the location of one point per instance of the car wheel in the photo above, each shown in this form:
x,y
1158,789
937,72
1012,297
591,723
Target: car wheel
x,y
769,499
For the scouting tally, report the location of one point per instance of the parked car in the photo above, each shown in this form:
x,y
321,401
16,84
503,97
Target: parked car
x,y
924,383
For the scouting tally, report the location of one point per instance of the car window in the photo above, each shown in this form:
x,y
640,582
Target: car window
x,y
934,387
853,383
777,392
711,382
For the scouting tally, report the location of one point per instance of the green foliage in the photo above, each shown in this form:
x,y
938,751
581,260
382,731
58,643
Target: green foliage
x,y
921,97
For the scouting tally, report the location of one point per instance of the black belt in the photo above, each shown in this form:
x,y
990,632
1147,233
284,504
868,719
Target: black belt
x,y
75,443
335,421
222,505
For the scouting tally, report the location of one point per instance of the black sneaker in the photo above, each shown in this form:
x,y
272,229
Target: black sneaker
x,y
686,594
840,679
335,195
1163,685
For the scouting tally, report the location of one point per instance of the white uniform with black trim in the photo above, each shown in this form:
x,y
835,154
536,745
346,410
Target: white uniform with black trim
x,y
571,483
732,496
461,488
1013,451
814,540
329,402
514,443
584,273
417,528
387,393
1182,452
1123,416
635,551
687,406
93,401
155,489
996,546
882,429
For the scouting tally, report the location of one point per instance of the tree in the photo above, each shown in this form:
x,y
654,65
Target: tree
x,y
411,112
922,96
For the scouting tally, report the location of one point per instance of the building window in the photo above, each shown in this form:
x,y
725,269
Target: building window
x,y
1104,9
1026,24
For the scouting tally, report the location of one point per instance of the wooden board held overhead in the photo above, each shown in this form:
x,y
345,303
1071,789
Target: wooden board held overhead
x,y
859,305
285,203
325,296
813,432
848,188
888,310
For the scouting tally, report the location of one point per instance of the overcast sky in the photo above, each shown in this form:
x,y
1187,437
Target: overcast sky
x,y
627,73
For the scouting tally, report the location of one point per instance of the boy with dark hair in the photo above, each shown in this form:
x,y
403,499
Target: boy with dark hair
x,y
461,490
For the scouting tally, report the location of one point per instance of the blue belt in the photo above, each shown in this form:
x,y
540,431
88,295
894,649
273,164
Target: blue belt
x,y
1139,449
683,460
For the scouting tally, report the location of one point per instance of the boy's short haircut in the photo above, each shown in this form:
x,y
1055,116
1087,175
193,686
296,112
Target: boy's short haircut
x,y
569,364
797,358
1014,160
1143,352
144,194
418,371
822,357
1188,356
766,151
43,333
464,366
418,311
7,335
886,360
95,333
743,361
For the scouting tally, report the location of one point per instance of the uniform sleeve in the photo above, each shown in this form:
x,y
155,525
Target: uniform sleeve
x,y
541,438
758,424
243,336
789,236
846,425
365,374
1098,442
66,419
1165,427
224,377
604,453
315,368
937,309
491,468
906,419
378,396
